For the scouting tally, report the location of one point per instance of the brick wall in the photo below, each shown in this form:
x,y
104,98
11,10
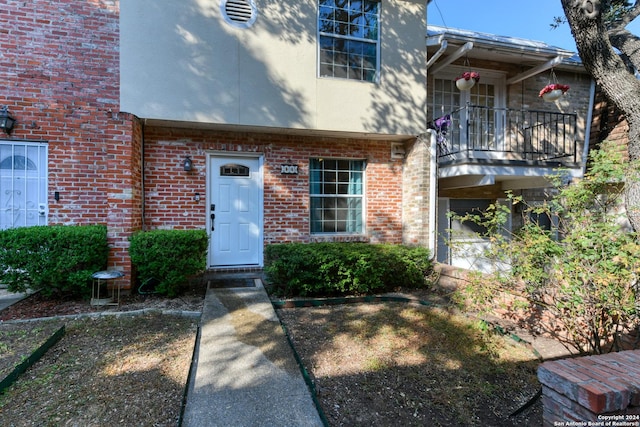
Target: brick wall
x,y
60,67
608,124
416,182
169,190
593,390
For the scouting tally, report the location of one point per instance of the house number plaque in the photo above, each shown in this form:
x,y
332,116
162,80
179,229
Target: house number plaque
x,y
289,169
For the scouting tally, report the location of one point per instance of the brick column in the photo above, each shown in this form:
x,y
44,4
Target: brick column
x,y
123,184
416,183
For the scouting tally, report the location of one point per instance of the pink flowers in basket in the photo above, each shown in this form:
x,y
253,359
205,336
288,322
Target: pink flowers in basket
x,y
467,75
554,86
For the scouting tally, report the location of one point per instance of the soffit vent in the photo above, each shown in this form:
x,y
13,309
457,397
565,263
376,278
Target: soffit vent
x,y
239,13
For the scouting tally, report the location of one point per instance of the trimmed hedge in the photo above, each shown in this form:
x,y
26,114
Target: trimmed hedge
x,y
56,260
169,257
328,269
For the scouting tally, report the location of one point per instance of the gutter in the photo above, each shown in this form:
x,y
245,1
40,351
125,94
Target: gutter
x,y
455,55
438,54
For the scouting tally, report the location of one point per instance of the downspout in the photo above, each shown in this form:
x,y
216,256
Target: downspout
x,y
587,133
438,54
433,192
142,209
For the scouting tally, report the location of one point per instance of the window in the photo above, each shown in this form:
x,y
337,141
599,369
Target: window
x,y
482,129
349,39
234,170
337,195
23,184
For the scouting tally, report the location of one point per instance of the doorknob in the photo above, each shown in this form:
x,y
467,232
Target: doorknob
x,y
213,217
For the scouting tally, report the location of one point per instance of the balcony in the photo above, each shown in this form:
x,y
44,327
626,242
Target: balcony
x,y
483,135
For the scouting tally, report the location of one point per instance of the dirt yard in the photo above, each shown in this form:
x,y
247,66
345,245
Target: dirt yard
x,y
383,364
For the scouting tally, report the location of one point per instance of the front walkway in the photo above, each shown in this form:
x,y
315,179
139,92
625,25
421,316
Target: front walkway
x,y
245,372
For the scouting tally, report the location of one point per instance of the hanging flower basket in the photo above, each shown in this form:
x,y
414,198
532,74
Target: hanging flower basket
x,y
467,80
553,92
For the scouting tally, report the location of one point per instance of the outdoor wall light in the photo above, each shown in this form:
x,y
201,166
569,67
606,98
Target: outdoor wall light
x,y
188,164
6,121
196,197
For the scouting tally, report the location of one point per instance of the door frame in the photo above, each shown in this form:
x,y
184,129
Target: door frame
x,y
210,175
496,78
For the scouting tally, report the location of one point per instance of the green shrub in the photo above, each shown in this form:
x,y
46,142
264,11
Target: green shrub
x,y
55,260
583,274
344,268
169,257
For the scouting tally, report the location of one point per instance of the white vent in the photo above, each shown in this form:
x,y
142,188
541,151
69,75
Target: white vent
x,y
239,13
397,150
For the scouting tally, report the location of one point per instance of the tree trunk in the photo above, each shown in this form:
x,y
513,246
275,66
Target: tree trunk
x,y
618,84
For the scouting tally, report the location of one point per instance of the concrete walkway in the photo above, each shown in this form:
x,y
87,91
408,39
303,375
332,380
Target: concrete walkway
x,y
245,373
7,298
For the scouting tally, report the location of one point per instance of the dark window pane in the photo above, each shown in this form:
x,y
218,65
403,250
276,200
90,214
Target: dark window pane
x,y
351,59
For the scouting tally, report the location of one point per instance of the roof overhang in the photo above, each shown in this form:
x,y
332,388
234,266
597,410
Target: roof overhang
x,y
446,45
316,133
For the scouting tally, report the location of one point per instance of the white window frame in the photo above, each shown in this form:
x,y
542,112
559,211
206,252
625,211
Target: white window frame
x,y
319,195
18,181
376,42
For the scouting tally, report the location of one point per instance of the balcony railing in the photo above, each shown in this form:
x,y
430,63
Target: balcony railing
x,y
475,133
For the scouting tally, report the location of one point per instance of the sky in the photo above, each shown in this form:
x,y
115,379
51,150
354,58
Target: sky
x,y
514,18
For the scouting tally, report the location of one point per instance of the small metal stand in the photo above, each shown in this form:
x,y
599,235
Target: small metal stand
x,y
101,278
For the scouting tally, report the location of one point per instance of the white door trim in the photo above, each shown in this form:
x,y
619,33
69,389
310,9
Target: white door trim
x,y
260,201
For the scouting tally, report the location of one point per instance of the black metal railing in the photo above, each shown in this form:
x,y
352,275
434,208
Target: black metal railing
x,y
475,132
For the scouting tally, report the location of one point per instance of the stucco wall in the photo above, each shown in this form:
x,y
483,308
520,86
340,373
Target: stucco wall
x,y
181,61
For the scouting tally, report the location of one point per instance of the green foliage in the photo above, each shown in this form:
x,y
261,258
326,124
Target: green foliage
x,y
583,271
344,268
55,260
168,256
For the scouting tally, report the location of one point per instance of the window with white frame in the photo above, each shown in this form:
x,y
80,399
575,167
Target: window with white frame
x,y
336,190
23,184
349,39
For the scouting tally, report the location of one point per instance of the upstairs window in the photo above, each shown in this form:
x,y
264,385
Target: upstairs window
x,y
349,39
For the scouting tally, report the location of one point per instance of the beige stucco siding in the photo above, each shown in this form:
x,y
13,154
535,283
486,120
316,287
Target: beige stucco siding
x,y
181,61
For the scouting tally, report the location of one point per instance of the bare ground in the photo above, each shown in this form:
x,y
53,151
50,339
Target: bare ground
x,y
383,364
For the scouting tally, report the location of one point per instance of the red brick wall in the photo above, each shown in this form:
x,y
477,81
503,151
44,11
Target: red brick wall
x,y
169,190
59,64
592,390
608,124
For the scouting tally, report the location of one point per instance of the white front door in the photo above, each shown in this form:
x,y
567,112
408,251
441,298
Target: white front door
x,y
23,184
235,211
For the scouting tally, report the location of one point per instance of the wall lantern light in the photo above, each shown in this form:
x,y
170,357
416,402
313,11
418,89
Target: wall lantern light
x,y
6,121
188,164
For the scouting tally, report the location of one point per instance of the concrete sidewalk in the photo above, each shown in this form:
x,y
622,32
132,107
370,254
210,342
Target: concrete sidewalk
x,y
245,372
8,298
